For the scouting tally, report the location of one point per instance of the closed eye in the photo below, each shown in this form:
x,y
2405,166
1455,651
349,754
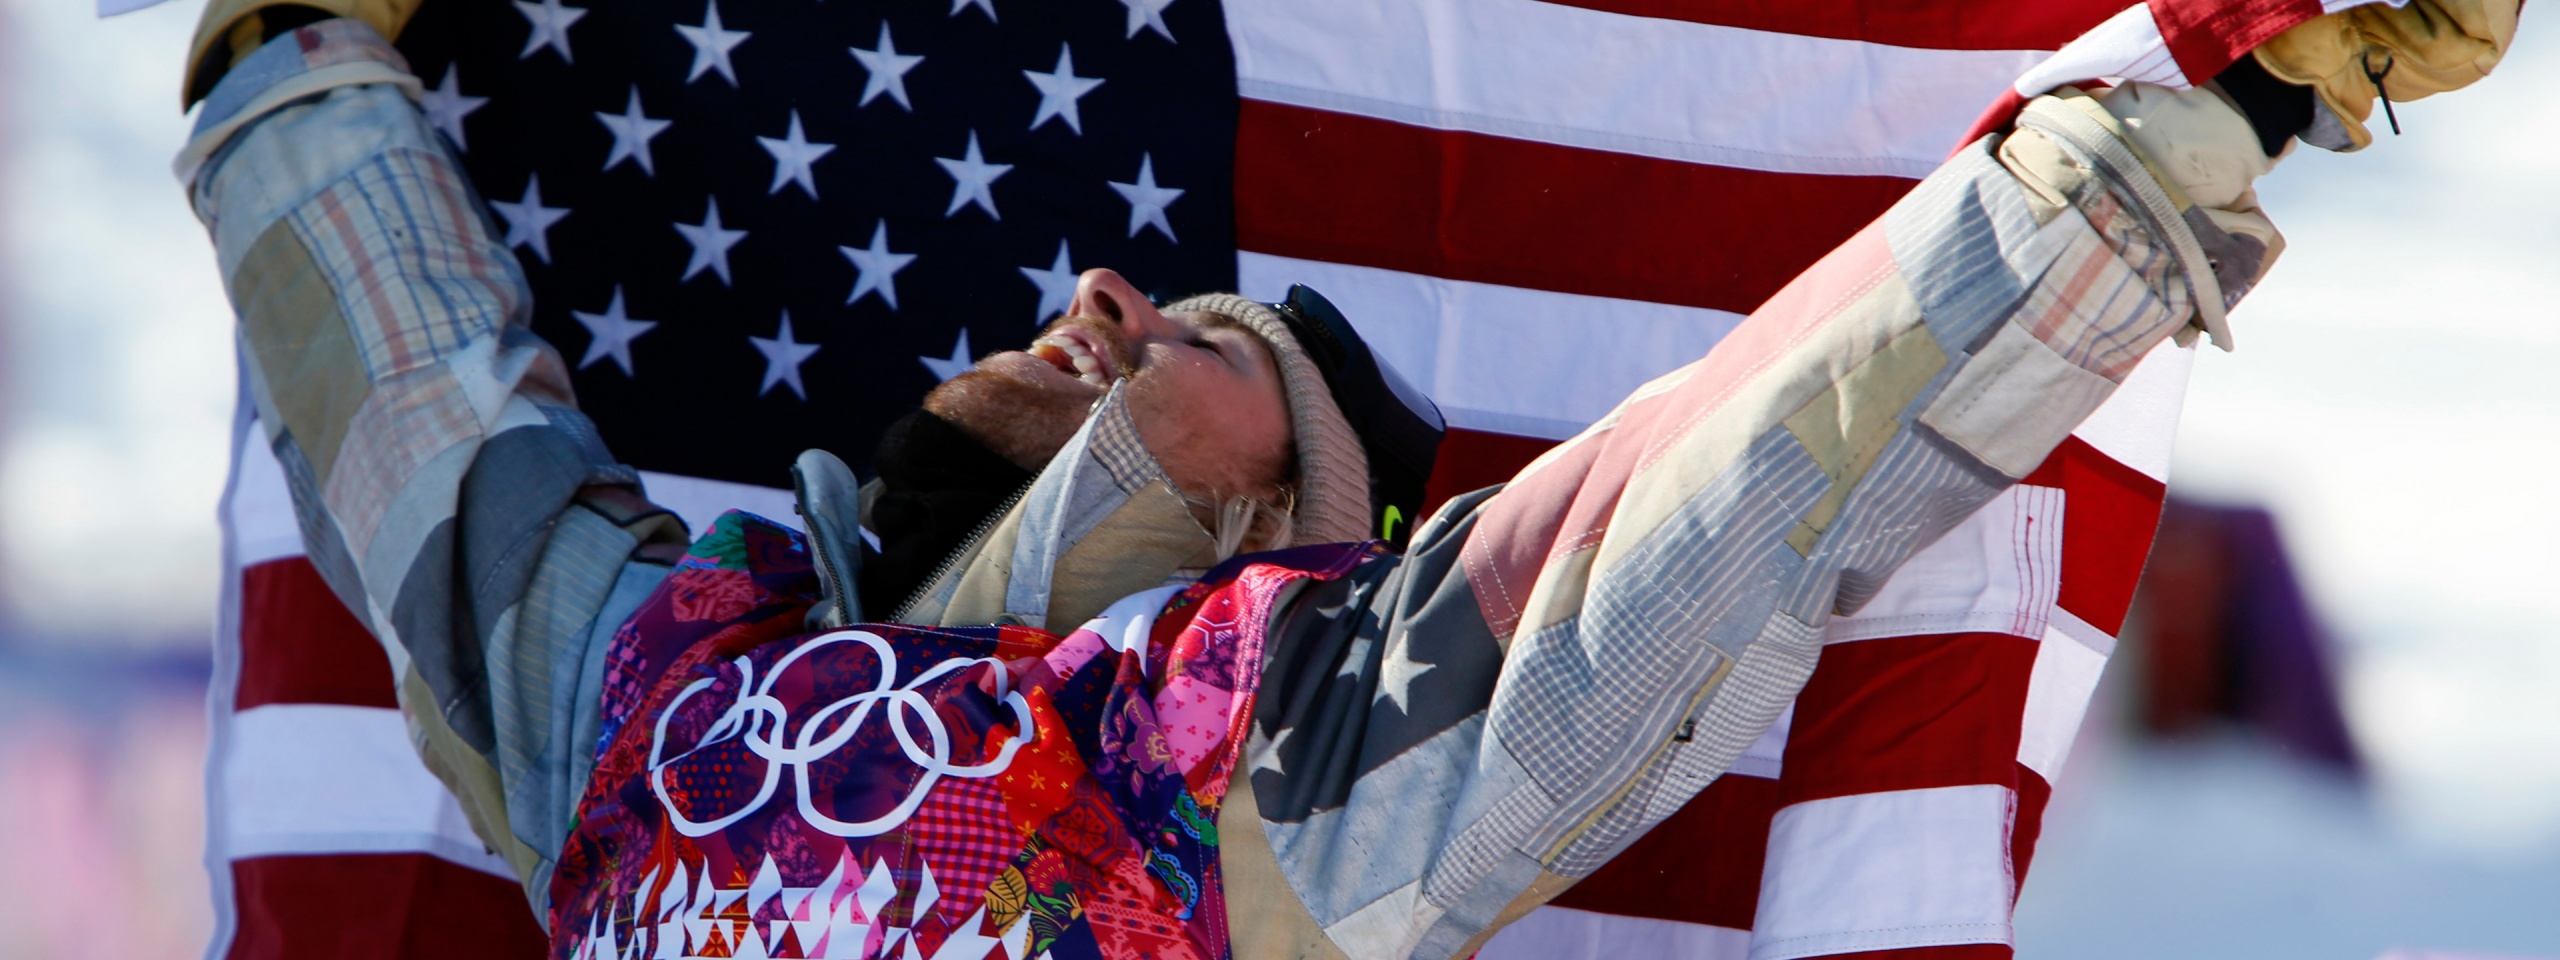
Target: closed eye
x,y
1213,346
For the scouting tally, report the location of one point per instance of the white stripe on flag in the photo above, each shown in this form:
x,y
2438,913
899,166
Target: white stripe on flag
x,y
700,501
2138,425
262,518
2081,632
324,778
261,507
1659,88
2058,690
1997,572
1502,359
1564,933
2127,45
1885,871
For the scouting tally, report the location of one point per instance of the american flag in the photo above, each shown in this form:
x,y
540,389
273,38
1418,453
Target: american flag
x,y
759,227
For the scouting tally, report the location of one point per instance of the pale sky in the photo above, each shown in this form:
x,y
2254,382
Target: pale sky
x,y
2392,399
119,377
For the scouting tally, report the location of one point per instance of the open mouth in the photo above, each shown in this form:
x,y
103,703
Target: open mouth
x,y
1072,354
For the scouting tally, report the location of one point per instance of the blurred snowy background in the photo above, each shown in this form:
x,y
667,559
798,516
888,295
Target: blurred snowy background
x,y
2389,403
115,412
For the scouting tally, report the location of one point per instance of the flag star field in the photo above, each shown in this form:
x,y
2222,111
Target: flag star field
x,y
896,189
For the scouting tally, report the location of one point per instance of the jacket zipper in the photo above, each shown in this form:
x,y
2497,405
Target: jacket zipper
x,y
967,548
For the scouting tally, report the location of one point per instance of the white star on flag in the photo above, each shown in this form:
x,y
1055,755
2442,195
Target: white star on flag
x,y
1147,15
711,45
782,359
631,132
971,175
1057,285
959,362
1146,200
879,267
1268,757
550,22
710,244
1059,90
888,69
1395,677
528,221
987,5
613,332
445,106
792,156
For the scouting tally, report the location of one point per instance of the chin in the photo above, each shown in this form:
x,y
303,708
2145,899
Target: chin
x,y
1008,404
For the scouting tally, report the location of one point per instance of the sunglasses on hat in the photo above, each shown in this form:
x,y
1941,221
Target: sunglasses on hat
x,y
1399,428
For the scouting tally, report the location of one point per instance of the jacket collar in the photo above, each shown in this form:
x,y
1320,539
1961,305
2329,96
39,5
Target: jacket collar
x,y
1100,522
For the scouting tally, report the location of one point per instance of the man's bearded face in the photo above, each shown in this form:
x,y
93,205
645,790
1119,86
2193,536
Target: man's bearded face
x,y
1204,391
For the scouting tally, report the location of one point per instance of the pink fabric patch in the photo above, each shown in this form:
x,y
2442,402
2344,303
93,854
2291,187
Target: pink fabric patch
x,y
1072,653
1193,715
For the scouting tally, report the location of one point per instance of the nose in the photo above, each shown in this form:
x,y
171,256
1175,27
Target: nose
x,y
1105,294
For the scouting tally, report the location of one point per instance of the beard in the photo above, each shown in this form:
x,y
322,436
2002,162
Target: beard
x,y
1017,409
1021,421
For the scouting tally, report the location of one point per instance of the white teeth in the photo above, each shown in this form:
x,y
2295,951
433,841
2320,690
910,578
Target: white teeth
x,y
1089,368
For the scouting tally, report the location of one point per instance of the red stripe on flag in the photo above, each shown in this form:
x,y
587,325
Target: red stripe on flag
x,y
1933,24
1960,951
1472,460
1700,866
1318,185
2207,35
2033,796
2109,513
298,643
369,905
1909,713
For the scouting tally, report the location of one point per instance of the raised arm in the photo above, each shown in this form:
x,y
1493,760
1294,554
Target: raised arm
x,y
447,487
1558,667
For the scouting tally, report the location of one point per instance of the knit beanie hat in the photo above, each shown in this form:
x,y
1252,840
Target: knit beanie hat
x,y
1333,472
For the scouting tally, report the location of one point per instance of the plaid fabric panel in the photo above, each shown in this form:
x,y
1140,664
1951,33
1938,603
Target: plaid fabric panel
x,y
963,834
1117,447
409,420
2095,306
2123,231
417,274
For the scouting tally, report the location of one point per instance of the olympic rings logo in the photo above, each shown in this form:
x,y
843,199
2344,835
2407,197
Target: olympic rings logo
x,y
762,722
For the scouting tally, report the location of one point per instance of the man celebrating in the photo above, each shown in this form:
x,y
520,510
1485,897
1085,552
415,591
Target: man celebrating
x,y
1079,701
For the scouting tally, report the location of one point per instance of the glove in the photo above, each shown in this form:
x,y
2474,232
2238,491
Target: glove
x,y
2424,48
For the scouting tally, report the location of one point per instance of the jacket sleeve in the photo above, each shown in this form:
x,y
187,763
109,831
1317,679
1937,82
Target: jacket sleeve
x,y
233,29
1557,667
447,487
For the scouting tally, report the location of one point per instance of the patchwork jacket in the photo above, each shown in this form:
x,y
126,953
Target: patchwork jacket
x,y
1440,741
